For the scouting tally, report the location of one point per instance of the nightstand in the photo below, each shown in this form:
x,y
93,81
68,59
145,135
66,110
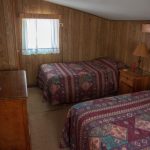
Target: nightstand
x,y
133,82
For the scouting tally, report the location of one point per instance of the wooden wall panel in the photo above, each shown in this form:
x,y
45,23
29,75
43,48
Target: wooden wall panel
x,y
31,63
8,55
10,19
83,37
3,42
79,40
81,32
126,35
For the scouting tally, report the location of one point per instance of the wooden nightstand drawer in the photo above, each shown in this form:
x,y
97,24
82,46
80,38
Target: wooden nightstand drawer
x,y
126,75
126,80
133,82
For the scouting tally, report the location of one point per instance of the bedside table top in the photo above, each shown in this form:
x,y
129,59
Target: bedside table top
x,y
134,74
13,84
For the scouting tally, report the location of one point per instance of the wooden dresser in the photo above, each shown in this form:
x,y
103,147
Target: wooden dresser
x,y
14,133
133,82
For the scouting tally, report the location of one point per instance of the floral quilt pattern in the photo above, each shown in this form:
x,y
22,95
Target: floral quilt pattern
x,y
75,82
113,123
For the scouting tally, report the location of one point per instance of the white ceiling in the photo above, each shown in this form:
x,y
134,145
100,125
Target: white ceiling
x,y
111,9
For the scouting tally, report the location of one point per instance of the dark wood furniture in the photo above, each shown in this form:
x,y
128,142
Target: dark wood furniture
x,y
133,82
14,133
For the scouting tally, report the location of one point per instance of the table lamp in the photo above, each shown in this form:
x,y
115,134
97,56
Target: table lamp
x,y
141,51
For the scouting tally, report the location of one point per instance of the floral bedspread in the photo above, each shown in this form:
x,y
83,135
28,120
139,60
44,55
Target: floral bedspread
x,y
74,82
114,123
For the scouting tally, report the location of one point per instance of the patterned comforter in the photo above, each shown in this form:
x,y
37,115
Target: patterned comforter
x,y
74,82
114,123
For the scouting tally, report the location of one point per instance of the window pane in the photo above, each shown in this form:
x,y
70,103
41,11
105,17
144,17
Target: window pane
x,y
31,33
40,36
43,33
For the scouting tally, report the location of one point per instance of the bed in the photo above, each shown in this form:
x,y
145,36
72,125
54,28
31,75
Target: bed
x,y
80,81
113,123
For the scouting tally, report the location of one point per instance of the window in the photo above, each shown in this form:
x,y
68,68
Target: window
x,y
40,36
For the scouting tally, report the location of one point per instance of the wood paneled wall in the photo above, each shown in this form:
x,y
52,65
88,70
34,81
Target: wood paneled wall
x,y
83,37
124,37
8,53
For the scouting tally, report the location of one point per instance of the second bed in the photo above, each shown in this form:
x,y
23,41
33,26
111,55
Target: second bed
x,y
80,81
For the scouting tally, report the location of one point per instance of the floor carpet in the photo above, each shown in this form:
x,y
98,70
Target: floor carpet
x,y
45,121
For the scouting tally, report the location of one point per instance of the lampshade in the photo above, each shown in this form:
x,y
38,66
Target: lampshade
x,y
141,50
146,28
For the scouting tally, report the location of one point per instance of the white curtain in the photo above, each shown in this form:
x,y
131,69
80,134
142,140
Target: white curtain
x,y
40,36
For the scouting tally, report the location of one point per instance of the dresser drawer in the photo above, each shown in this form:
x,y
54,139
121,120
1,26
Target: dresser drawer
x,y
14,131
126,80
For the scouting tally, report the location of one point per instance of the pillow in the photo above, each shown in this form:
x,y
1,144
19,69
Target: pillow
x,y
120,64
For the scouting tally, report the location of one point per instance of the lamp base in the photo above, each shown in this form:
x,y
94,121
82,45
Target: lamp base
x,y
139,62
139,70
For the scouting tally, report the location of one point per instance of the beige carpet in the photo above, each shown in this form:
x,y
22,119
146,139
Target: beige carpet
x,y
45,121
